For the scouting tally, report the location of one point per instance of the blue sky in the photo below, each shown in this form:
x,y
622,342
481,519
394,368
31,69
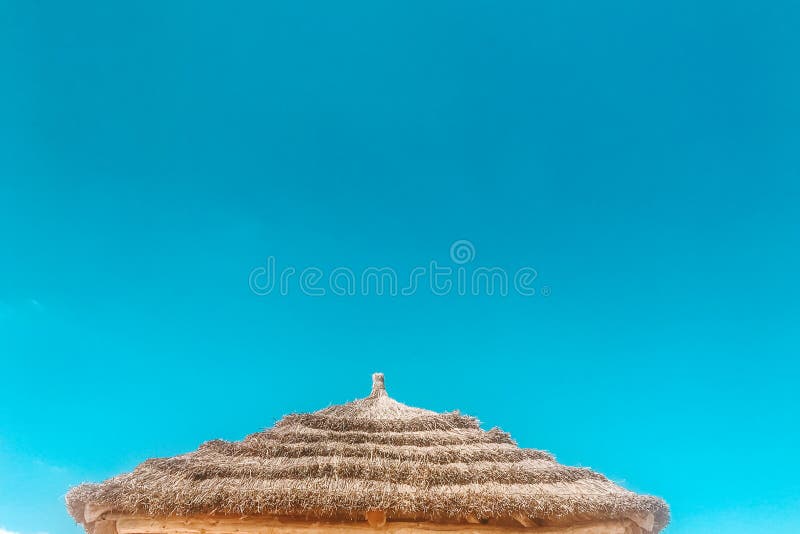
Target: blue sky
x,y
642,157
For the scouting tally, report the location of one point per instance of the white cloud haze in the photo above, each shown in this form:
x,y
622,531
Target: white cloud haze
x,y
4,531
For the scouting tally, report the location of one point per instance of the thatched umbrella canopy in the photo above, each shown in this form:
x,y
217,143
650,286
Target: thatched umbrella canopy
x,y
371,455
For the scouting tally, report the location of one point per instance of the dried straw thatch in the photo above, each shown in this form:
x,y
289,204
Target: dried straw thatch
x,y
371,454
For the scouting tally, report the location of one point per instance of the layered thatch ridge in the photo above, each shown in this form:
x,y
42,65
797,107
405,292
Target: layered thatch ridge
x,y
370,454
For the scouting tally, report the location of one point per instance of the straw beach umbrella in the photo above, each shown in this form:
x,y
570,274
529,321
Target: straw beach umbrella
x,y
373,463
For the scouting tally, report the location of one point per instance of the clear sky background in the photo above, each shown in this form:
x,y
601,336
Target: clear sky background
x,y
642,156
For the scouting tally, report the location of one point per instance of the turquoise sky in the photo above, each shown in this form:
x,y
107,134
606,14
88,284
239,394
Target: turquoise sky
x,y
643,157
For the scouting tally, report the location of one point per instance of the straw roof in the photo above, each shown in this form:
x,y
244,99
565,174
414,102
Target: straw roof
x,y
370,454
